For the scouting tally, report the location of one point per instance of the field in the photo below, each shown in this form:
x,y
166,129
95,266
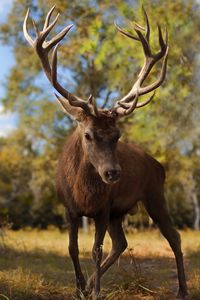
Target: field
x,y
34,265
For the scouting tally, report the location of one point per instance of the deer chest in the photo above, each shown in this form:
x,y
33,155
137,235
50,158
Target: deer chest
x,y
90,199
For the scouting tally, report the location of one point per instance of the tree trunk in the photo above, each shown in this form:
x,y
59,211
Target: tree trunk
x,y
85,224
196,211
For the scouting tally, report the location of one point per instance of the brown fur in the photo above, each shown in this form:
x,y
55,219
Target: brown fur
x,y
82,188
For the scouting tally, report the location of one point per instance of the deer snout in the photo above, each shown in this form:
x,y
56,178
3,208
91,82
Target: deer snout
x,y
112,175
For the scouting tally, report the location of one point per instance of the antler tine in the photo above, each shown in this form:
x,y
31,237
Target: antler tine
x,y
144,42
139,26
161,40
26,34
144,39
48,29
126,33
141,104
58,37
147,24
42,49
47,20
163,43
35,28
126,104
91,101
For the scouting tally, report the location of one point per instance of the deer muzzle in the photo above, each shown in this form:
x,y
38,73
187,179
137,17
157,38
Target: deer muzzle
x,y
112,175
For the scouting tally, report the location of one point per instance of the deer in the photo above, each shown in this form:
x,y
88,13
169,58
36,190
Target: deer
x,y
98,175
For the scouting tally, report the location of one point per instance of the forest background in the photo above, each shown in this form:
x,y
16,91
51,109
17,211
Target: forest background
x,y
95,59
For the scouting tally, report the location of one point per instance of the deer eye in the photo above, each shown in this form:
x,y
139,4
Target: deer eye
x,y
115,139
88,137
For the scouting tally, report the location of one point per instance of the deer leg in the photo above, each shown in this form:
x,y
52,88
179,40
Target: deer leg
x,y
74,253
159,213
119,244
100,230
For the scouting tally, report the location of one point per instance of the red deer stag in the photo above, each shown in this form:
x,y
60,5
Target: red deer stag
x,y
99,176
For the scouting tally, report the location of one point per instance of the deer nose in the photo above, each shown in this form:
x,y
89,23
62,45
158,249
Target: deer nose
x,y
113,175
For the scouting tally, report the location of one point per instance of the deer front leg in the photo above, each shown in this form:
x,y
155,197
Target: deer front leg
x,y
119,244
100,229
74,252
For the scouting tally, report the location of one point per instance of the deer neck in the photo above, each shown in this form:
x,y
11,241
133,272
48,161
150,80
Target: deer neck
x,y
88,187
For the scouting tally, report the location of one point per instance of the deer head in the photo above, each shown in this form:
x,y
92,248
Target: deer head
x,y
98,130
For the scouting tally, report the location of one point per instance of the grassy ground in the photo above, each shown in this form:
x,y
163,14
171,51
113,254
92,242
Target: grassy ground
x,y
34,265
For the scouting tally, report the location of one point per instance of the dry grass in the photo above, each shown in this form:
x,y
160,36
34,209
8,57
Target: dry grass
x,y
34,266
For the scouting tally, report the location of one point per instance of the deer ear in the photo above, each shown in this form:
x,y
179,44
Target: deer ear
x,y
76,112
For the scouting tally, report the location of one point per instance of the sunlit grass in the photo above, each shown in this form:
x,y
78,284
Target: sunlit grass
x,y
35,265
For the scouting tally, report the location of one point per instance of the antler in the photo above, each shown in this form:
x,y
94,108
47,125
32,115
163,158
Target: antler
x,y
43,48
129,102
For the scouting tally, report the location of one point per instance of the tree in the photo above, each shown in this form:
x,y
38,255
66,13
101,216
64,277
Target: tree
x,y
15,197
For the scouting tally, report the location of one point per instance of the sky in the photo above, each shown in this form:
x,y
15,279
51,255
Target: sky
x,y
8,120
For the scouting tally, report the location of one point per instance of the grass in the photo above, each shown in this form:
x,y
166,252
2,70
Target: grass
x,y
34,265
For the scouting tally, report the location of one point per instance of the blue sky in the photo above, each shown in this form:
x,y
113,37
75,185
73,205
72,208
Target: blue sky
x,y
7,119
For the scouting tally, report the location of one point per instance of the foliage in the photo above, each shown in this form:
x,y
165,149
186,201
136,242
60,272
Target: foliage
x,y
95,59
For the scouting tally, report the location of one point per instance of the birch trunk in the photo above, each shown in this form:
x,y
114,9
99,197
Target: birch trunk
x,y
196,211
